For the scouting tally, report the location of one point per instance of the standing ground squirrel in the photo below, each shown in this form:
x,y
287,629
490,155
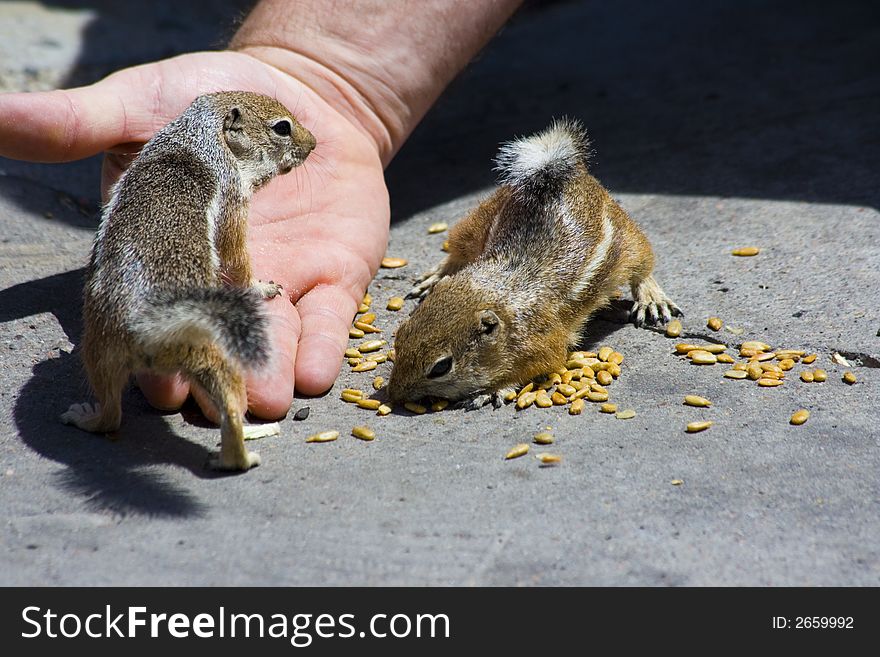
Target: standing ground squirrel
x,y
525,271
169,285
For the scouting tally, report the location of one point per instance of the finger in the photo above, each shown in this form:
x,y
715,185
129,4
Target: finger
x,y
325,312
167,393
270,387
63,125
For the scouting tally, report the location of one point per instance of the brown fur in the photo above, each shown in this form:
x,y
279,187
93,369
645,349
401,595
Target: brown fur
x,y
525,255
172,237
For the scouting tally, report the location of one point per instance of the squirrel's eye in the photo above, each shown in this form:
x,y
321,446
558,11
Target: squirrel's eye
x,y
282,128
440,368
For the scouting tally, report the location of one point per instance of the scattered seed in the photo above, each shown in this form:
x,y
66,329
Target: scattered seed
x,y
773,375
548,459
367,318
588,373
685,347
566,389
754,371
673,329
391,355
770,367
354,361
415,407
367,328
701,357
369,404
393,263
786,364
616,358
625,415
371,345
323,437
712,348
352,397
763,356
395,303
800,416
756,345
694,427
384,409
746,251
527,388
715,323
439,405
542,400
820,376
351,352
365,366
379,357
694,400
520,450
767,382
368,299
364,433
849,377
353,391
735,374
355,333
725,358
302,414
364,307
439,227
608,408
604,353
378,382
594,396
543,438
741,366
809,359
614,370
445,246
526,400
604,378
840,359
510,395
677,482
558,399
576,407
807,376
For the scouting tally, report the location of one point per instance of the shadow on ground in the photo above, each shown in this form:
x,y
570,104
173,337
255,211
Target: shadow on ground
x,y
113,475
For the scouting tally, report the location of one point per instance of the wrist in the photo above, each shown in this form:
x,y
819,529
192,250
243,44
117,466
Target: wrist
x,y
381,64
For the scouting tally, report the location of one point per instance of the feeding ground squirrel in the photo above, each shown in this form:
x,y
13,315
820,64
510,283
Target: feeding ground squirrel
x,y
169,285
525,271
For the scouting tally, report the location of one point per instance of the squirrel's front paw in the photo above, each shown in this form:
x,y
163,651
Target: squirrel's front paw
x,y
268,290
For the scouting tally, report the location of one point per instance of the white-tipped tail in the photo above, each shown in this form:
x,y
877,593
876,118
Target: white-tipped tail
x,y
544,161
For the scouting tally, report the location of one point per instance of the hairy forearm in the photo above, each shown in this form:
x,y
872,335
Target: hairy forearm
x,y
381,62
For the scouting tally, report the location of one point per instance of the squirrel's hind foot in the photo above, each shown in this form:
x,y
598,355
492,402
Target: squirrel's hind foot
x,y
89,417
250,460
651,304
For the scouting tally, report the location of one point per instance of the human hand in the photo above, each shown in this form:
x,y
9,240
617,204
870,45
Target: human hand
x,y
320,231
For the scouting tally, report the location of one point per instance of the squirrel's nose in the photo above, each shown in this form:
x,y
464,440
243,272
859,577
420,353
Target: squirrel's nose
x,y
307,141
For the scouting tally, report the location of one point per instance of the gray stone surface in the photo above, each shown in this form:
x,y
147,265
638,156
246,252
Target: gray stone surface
x,y
716,124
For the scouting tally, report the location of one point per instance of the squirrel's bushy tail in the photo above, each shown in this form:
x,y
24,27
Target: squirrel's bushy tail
x,y
541,164
229,317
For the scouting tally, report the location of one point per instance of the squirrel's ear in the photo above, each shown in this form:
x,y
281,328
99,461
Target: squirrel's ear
x,y
489,321
232,120
236,137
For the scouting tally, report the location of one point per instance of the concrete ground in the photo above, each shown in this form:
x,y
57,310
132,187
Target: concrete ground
x,y
716,124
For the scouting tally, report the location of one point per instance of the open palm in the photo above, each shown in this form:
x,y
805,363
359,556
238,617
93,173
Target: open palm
x,y
319,231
